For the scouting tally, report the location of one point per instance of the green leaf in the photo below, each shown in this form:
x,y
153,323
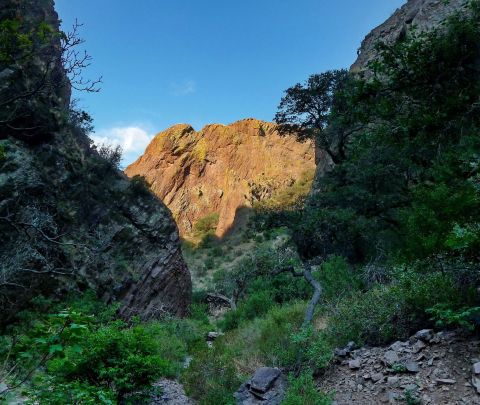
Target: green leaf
x,y
55,348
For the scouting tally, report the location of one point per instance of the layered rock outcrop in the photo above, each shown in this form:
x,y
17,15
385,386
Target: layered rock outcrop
x,y
221,168
69,220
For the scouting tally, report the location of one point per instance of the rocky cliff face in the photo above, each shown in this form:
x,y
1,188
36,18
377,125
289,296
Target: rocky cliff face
x,y
415,15
69,220
220,169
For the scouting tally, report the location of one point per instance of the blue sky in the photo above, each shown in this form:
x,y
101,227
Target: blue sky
x,y
208,61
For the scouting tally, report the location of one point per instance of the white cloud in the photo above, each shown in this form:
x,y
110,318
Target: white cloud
x,y
183,88
132,139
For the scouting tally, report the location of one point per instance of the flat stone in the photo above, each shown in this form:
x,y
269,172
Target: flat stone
x,y
354,364
445,381
264,378
412,366
476,368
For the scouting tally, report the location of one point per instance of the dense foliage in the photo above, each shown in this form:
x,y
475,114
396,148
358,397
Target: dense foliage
x,y
82,354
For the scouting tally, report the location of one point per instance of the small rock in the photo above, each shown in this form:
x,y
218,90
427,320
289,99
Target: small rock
x,y
418,346
341,352
476,368
430,362
392,381
390,358
411,387
354,364
425,334
392,397
350,346
412,366
377,377
213,335
397,346
476,383
426,399
445,381
421,357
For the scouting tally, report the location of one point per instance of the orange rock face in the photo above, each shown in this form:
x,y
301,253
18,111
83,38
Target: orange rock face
x,y
221,169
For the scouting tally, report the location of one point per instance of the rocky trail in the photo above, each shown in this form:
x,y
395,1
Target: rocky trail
x,y
429,368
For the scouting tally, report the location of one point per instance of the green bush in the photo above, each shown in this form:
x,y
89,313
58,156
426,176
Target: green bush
x,y
388,312
336,278
126,358
212,377
48,390
255,305
76,358
209,263
302,391
206,225
445,316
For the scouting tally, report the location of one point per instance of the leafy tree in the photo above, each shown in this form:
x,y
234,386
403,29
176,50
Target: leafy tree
x,y
307,110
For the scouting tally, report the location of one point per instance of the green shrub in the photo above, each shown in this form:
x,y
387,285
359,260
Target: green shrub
x,y
126,358
388,312
302,391
278,340
48,390
206,225
313,351
212,377
255,305
446,316
217,251
337,278
209,263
